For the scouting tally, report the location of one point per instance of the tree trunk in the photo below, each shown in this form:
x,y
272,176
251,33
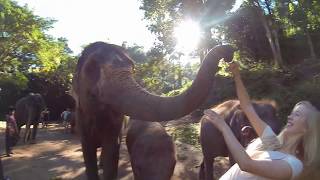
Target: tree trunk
x,y
278,49
205,48
179,78
201,56
270,40
273,41
310,44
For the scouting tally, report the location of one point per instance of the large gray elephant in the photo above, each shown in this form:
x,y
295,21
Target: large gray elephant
x,y
151,150
27,113
104,91
212,141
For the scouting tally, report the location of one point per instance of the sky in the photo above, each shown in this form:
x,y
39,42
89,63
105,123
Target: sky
x,y
114,21
83,22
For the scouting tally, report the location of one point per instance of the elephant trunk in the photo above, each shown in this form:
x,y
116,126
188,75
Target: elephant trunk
x,y
136,102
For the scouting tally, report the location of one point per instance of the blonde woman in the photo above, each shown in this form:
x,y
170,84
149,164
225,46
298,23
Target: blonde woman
x,y
285,156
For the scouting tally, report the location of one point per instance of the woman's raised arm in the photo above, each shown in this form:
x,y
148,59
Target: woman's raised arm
x,y
245,102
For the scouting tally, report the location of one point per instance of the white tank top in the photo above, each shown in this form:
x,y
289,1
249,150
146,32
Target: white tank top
x,y
296,165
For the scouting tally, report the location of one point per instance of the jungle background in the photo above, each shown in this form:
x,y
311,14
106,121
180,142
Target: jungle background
x,y
278,44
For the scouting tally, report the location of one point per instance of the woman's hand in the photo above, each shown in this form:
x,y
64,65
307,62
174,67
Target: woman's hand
x,y
234,68
215,119
245,102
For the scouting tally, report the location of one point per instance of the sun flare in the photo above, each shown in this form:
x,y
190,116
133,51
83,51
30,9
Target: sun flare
x,y
187,34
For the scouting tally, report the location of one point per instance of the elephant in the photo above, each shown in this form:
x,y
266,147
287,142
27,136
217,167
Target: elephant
x,y
212,141
104,91
28,110
151,150
1,170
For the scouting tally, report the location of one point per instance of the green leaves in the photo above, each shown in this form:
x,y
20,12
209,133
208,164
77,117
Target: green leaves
x,y
24,44
27,54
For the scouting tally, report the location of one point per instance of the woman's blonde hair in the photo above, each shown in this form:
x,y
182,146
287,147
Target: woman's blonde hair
x,y
311,143
310,140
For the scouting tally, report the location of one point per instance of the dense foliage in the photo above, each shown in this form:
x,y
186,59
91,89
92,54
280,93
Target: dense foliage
x,y
31,60
278,42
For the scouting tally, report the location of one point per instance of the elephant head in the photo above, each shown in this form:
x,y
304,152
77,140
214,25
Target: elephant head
x,y
105,72
242,128
27,113
37,101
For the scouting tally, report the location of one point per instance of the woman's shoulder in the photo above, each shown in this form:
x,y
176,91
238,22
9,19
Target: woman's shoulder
x,y
295,164
291,159
268,132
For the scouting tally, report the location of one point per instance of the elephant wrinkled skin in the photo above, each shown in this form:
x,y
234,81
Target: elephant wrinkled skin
x,y
104,90
28,110
212,142
151,150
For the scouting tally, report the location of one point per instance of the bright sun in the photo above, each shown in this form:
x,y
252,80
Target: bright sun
x,y
187,34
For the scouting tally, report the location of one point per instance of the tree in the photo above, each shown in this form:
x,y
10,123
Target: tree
x,y
28,54
264,10
164,15
22,35
301,16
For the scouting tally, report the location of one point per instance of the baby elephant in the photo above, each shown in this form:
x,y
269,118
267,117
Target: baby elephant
x,y
151,150
212,141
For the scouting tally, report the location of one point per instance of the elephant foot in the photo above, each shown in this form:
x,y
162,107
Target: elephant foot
x,y
33,141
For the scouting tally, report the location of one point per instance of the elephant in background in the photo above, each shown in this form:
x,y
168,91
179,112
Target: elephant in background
x,y
151,150
28,110
104,91
212,141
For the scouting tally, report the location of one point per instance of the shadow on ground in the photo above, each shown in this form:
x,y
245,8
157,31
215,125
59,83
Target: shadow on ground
x,y
57,156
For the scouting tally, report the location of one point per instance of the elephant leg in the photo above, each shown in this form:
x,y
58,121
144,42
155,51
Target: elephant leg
x,y
90,159
1,170
19,130
208,168
34,132
201,171
110,158
26,133
29,135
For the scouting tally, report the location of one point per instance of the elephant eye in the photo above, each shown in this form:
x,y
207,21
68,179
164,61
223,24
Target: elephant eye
x,y
119,60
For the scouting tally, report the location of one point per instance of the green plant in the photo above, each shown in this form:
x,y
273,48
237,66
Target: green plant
x,y
186,133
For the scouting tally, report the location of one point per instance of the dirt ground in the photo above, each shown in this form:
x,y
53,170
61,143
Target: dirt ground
x,y
57,156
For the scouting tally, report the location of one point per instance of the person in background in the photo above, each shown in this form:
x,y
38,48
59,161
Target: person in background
x,y
65,115
11,133
45,114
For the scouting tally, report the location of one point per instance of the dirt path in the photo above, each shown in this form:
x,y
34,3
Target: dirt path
x,y
57,155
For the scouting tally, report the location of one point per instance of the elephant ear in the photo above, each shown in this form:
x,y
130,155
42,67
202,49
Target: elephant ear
x,y
235,123
39,100
92,68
